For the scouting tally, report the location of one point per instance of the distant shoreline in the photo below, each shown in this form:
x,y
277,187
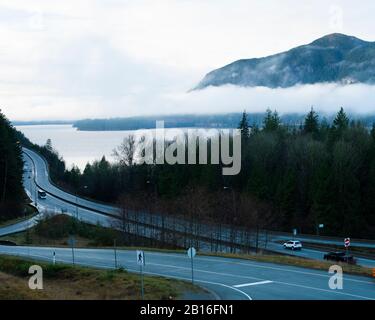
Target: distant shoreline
x,y
217,121
41,123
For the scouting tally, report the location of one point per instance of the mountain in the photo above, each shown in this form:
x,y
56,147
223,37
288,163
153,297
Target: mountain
x,y
333,58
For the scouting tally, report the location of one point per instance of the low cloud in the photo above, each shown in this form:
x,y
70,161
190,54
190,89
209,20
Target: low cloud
x,y
325,98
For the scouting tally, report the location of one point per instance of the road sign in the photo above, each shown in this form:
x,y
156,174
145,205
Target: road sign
x,y
140,258
321,226
72,241
347,242
191,252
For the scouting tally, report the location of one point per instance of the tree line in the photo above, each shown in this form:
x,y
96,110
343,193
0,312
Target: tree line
x,y
12,196
293,176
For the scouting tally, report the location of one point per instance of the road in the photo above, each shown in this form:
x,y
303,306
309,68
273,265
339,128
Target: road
x,y
94,213
229,279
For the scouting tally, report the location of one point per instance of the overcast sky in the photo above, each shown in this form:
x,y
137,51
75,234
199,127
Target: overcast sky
x,y
88,58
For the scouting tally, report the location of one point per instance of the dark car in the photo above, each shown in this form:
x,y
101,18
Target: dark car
x,y
340,257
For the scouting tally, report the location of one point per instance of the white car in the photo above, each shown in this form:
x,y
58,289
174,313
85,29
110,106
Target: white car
x,y
293,245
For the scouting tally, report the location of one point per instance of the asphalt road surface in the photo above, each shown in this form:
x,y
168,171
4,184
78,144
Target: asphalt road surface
x,y
231,279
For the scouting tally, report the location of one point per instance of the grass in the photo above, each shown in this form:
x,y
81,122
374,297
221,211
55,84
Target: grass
x,y
298,262
63,282
364,251
56,231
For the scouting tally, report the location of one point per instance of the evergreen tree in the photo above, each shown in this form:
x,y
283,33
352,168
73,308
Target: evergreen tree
x,y
244,126
11,170
311,124
271,121
341,122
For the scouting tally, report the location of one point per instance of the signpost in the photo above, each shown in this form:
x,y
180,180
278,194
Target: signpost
x,y
347,244
141,263
294,233
191,254
72,243
320,226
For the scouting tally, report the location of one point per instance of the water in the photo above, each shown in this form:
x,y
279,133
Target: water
x,y
76,147
81,147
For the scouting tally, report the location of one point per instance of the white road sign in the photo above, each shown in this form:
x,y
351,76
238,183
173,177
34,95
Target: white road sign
x,y
191,252
347,242
140,258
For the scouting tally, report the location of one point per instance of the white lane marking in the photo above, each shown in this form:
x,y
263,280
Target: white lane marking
x,y
262,265
252,284
324,290
202,281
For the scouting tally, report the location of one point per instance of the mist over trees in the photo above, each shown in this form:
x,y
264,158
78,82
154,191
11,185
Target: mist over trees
x,y
12,196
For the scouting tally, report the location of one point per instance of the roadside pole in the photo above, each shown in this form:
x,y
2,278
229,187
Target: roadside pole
x,y
142,283
141,263
72,244
347,245
191,254
114,246
192,270
294,233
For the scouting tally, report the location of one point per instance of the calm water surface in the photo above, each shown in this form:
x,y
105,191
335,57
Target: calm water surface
x,y
80,147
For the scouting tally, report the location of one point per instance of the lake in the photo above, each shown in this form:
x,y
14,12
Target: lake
x,y
80,147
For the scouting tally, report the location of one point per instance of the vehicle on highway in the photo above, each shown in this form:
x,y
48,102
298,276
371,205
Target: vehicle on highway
x,y
293,245
42,194
340,257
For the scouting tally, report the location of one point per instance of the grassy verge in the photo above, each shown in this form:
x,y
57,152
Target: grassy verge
x,y
56,231
363,251
62,282
299,262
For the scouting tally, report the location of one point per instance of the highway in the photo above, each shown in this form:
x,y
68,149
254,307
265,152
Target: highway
x,y
226,278
229,279
91,212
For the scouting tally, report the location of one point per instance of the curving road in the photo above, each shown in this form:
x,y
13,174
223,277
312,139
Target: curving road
x,y
36,176
229,279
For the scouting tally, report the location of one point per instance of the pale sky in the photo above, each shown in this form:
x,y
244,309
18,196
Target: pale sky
x,y
88,58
